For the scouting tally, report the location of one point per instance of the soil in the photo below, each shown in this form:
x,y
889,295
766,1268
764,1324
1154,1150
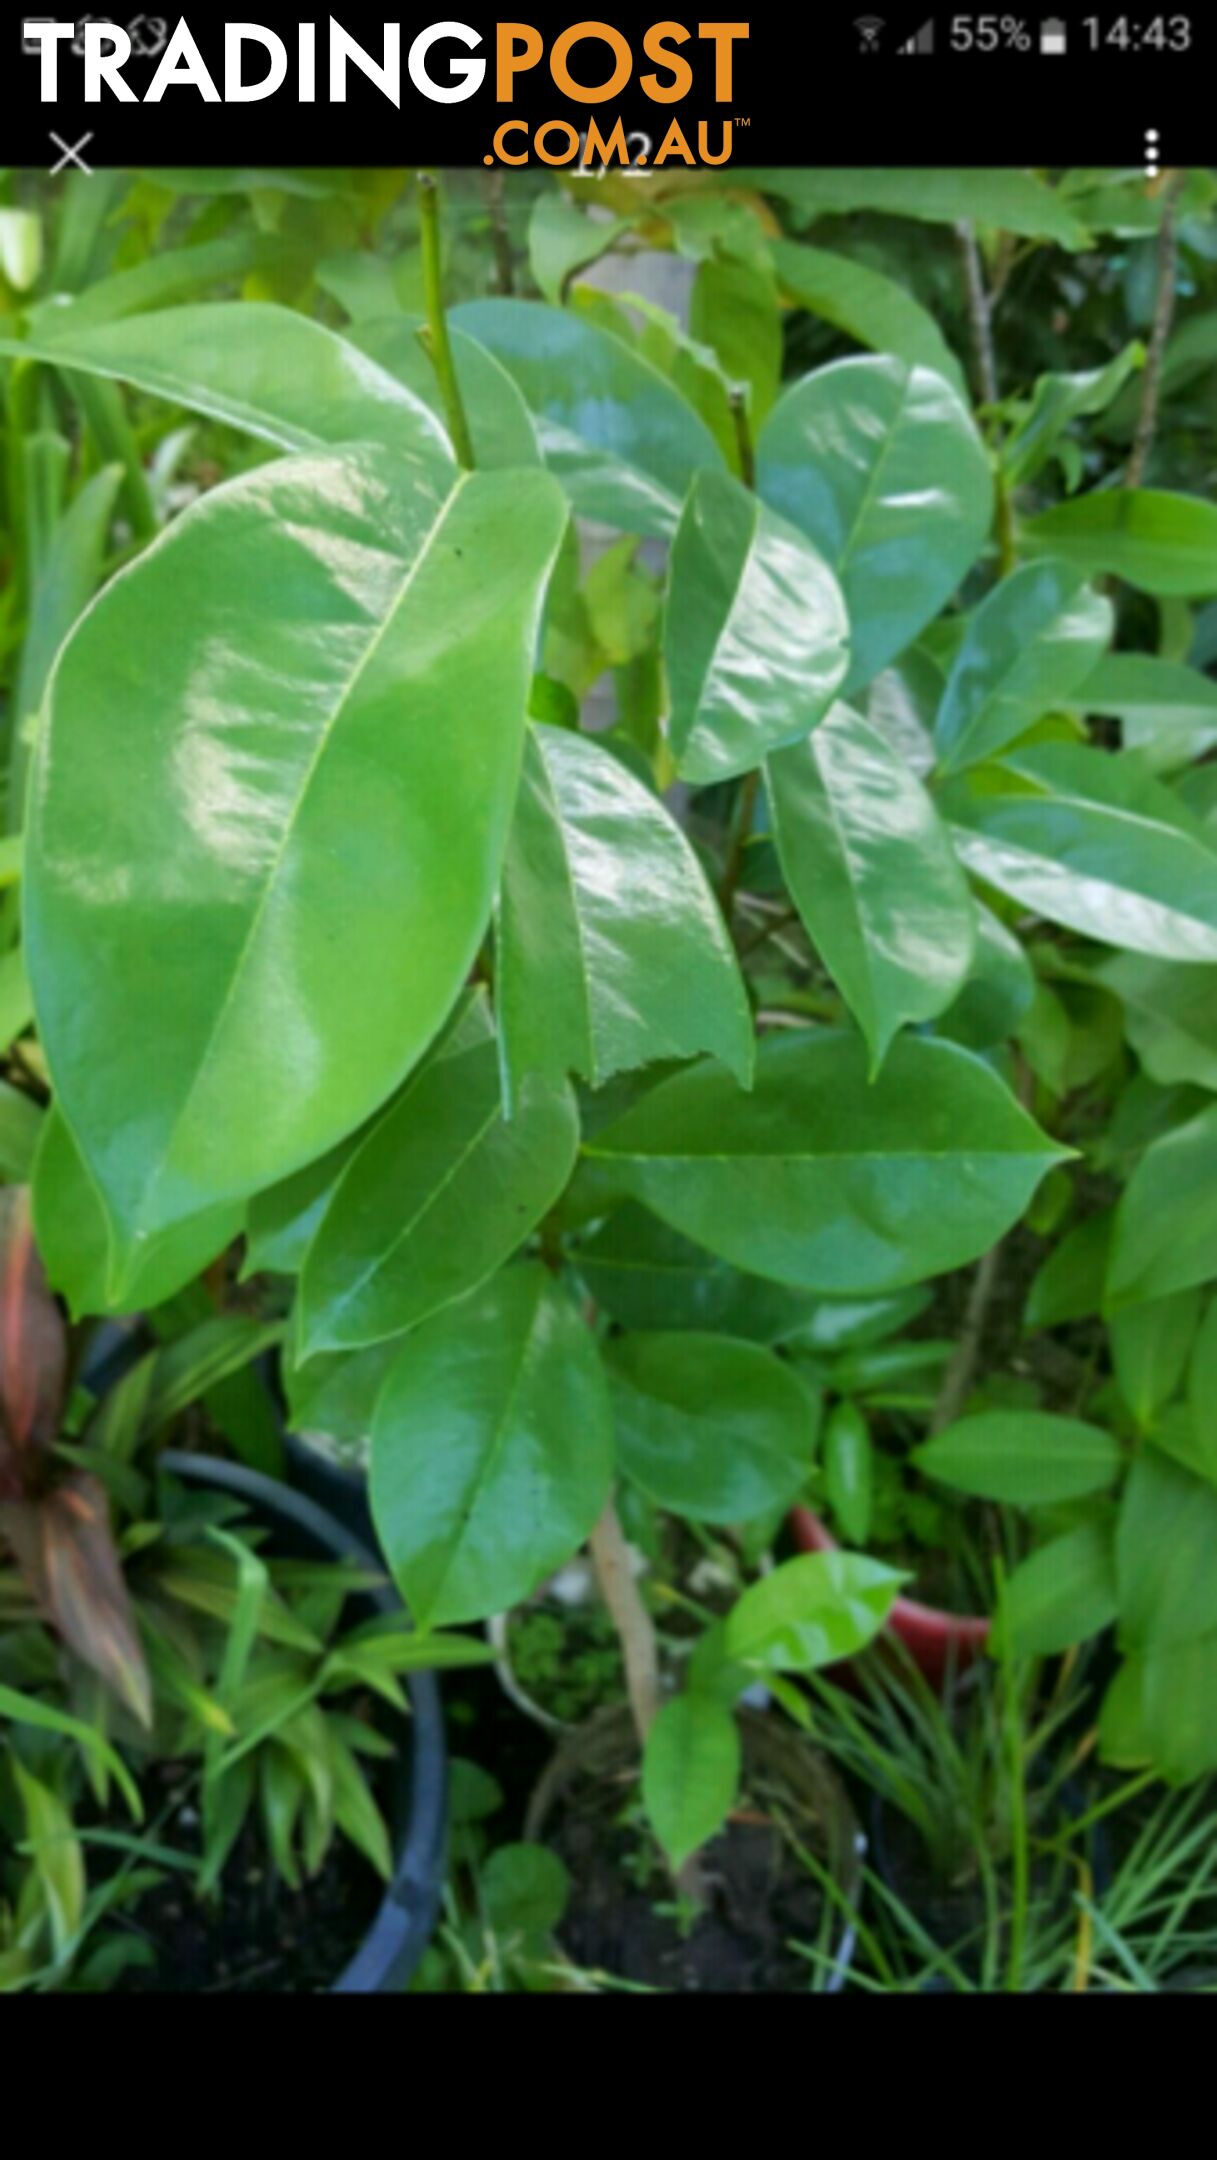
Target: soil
x,y
256,1937
762,1903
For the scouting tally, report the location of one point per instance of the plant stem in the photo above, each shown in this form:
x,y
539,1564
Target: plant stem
x,y
979,314
635,1628
434,336
742,827
500,235
1164,315
958,1379
743,435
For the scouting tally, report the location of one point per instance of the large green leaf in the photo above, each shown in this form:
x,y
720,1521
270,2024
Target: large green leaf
x,y
1013,201
492,1449
1170,1017
623,441
1065,1592
267,828
1027,648
266,370
441,1193
1166,1225
1075,837
713,1429
820,1179
1168,710
612,950
1025,1456
1150,1345
1162,542
810,1612
868,306
646,1275
756,639
1164,1555
499,420
690,1772
881,466
872,872
73,1236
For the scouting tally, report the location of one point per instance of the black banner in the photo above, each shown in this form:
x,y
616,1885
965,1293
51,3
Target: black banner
x,y
828,86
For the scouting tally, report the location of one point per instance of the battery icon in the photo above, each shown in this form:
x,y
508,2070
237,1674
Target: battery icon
x,y
1054,35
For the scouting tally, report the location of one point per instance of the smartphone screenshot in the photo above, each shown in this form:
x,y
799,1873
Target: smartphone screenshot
x,y
608,1004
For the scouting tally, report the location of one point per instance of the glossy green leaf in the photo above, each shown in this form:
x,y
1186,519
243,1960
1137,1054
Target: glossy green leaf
x,y
756,640
443,1191
1170,1017
621,439
234,800
874,877
1164,1555
1162,542
73,1237
690,1773
563,240
1150,1345
881,466
820,1179
1168,710
646,1275
1064,1592
1066,838
1166,1225
612,950
866,305
1027,647
712,1429
163,279
266,370
734,312
492,1449
66,582
499,420
1026,1456
810,1612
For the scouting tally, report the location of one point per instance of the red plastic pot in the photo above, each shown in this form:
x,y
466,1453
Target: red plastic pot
x,y
939,1642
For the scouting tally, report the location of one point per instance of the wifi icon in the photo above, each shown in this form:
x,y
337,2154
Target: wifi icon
x,y
870,29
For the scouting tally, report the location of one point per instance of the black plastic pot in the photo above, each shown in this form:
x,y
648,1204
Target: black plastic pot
x,y
391,1951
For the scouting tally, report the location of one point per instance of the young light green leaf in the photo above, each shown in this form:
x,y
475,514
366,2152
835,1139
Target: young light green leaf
x,y
1011,201
624,443
1025,1456
1163,543
712,1429
1170,1017
443,1191
499,420
756,639
881,466
1168,711
818,1178
612,950
1028,646
810,1612
1150,1345
690,1773
873,875
492,1449
352,673
268,371
1164,1555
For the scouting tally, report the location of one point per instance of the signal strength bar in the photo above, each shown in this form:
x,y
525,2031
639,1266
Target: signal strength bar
x,y
922,42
